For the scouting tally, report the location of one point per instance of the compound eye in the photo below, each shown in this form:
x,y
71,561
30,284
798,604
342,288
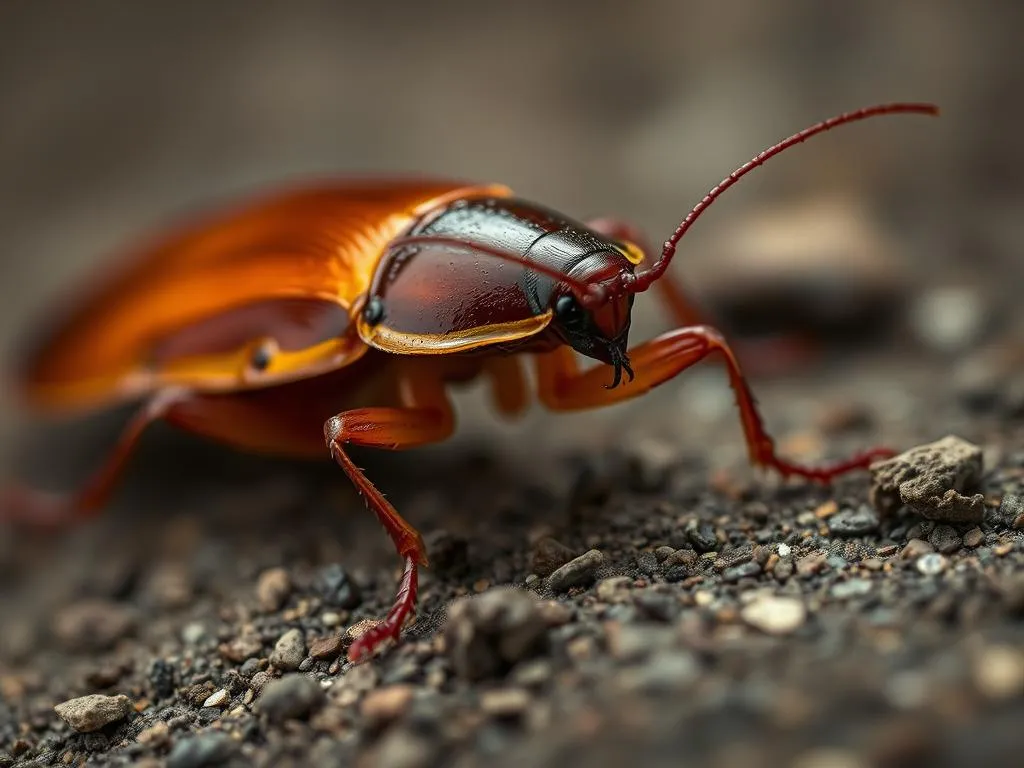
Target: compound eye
x,y
568,310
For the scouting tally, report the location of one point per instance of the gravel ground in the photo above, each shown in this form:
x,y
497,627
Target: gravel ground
x,y
622,589
637,601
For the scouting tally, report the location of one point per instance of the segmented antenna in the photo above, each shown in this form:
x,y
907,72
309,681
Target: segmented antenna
x,y
641,282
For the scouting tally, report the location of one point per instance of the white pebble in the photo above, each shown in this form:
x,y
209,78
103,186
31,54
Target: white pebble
x,y
775,615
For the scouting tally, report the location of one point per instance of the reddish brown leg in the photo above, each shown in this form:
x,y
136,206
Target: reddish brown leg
x,y
426,418
563,387
762,356
31,507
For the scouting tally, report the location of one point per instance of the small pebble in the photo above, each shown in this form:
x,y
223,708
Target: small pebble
x,y
202,751
614,589
505,702
999,672
337,589
219,698
90,713
810,564
289,651
326,648
577,572
1011,510
858,522
273,588
292,697
246,645
945,539
851,588
915,548
775,615
486,635
931,564
703,537
974,538
784,550
382,705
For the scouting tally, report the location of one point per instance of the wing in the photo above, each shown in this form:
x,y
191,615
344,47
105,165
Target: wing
x,y
188,309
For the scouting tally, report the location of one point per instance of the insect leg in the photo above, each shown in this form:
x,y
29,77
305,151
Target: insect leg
x,y
562,386
427,419
760,356
32,507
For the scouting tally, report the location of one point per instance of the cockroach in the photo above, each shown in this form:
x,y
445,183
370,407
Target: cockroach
x,y
339,312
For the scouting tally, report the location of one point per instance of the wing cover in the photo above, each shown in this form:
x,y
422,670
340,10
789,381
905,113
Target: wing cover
x,y
317,243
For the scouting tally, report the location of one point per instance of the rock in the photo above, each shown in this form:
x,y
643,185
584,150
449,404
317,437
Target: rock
x,y
93,624
202,751
326,648
273,588
161,678
485,635
775,615
1011,509
615,589
915,548
931,564
843,590
949,319
945,539
337,589
219,698
577,572
289,651
549,555
246,645
929,479
383,705
293,697
821,264
999,672
811,563
505,702
702,536
90,713
858,522
974,538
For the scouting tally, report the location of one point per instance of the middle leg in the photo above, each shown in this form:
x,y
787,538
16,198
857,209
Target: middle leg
x,y
424,417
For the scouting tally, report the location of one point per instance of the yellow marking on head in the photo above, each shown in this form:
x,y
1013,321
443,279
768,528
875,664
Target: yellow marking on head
x,y
633,253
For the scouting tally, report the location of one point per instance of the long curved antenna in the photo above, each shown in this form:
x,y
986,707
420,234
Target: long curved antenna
x,y
586,293
644,280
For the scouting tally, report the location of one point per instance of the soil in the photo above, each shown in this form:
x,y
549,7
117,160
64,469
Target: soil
x,y
634,592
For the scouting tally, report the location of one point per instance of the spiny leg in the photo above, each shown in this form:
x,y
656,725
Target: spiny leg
x,y
762,356
32,507
564,387
425,418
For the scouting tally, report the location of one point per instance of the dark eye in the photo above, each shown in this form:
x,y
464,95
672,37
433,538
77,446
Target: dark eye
x,y
568,310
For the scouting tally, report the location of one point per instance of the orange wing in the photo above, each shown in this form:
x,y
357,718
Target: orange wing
x,y
274,267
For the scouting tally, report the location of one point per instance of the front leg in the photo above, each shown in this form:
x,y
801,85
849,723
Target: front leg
x,y
562,386
767,356
426,417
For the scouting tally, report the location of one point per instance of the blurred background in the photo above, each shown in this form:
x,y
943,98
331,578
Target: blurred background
x,y
120,117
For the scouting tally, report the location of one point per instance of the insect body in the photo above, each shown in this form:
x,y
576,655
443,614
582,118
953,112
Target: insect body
x,y
339,314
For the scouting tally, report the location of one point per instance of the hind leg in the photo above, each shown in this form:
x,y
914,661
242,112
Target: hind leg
x,y
35,508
